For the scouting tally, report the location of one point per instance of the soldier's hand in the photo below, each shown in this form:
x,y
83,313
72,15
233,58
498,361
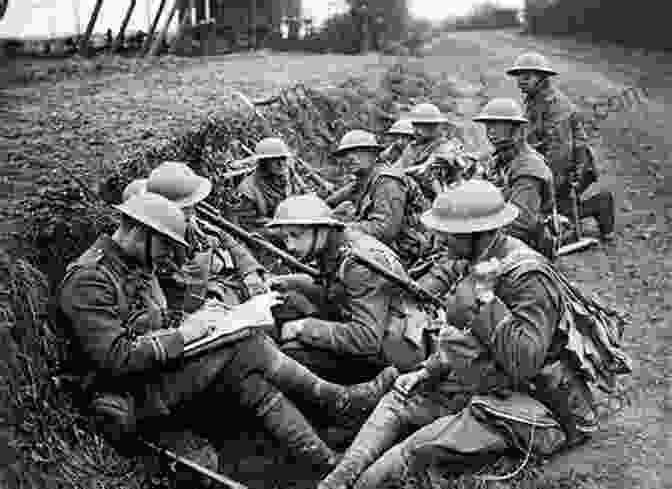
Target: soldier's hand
x,y
344,211
291,330
406,383
255,284
194,330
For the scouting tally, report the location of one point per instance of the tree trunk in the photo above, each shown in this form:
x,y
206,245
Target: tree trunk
x,y
84,43
152,29
156,45
119,41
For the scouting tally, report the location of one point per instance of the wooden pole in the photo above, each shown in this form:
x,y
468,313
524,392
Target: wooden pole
x,y
84,43
156,45
119,41
152,29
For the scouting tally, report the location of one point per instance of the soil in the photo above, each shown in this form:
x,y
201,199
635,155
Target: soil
x,y
89,120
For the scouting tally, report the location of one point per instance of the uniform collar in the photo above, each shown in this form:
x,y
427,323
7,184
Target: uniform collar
x,y
332,255
117,257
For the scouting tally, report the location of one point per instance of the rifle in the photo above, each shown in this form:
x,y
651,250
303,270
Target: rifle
x,y
407,284
212,215
192,466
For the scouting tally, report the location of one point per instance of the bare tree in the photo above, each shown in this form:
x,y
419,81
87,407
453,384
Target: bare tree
x,y
152,29
84,43
156,45
119,41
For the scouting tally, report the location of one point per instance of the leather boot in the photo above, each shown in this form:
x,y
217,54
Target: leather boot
x,y
344,405
286,423
378,434
601,208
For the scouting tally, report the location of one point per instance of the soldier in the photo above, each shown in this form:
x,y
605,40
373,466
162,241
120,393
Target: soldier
x,y
468,400
522,174
557,132
218,266
398,137
387,203
130,352
357,320
261,192
428,126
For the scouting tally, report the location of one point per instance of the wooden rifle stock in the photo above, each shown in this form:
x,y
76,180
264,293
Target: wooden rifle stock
x,y
212,215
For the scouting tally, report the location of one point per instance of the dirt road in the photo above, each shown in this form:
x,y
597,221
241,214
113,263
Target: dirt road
x,y
635,272
83,123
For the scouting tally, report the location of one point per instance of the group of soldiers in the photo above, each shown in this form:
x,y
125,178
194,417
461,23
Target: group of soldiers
x,y
422,384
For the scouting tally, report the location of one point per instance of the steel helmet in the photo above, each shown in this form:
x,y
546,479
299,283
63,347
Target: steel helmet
x,y
531,62
137,186
157,213
271,148
303,210
502,109
357,138
177,182
403,127
427,114
471,206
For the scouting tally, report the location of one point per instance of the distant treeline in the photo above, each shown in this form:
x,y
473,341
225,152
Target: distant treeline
x,y
644,23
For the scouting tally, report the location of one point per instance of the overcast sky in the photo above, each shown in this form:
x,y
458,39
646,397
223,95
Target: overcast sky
x,y
40,18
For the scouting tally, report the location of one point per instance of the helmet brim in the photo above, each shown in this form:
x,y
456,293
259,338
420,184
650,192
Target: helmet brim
x,y
345,149
483,119
517,70
324,221
202,191
471,225
145,222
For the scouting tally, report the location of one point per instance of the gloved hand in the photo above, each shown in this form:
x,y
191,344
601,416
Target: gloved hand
x,y
406,383
255,284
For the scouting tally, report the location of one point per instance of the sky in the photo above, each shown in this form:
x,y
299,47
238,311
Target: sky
x,y
44,18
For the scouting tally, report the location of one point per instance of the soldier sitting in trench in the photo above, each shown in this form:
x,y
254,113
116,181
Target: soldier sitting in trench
x,y
355,322
507,375
130,351
217,265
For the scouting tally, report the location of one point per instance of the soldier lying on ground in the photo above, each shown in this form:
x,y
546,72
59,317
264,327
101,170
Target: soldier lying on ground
x,y
129,350
217,266
469,401
522,174
384,202
357,321
557,132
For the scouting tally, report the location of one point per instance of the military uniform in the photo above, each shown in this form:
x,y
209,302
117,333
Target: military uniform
x,y
417,154
259,194
215,268
387,206
360,319
527,182
513,339
126,345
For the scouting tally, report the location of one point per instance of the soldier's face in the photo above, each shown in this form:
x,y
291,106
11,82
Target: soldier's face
x,y
300,240
426,132
357,162
528,81
276,166
162,249
499,132
461,245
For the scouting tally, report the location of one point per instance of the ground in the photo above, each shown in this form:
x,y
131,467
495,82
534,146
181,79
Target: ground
x,y
86,121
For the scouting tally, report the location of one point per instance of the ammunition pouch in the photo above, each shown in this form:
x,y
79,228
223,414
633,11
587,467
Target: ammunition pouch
x,y
569,398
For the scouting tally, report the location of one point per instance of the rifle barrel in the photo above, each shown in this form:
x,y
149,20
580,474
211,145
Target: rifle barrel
x,y
213,216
